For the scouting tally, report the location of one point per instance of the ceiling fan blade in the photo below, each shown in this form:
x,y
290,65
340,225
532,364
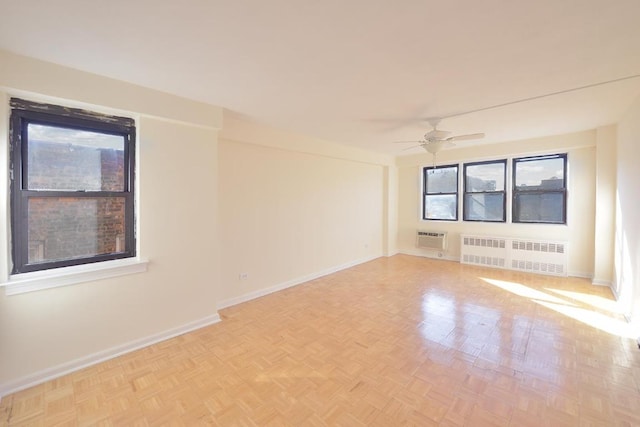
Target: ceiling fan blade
x,y
466,137
407,142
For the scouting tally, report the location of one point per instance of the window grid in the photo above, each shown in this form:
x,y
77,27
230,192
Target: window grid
x,y
112,210
544,202
478,203
434,193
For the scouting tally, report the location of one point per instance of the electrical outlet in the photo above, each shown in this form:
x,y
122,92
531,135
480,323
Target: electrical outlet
x,y
244,276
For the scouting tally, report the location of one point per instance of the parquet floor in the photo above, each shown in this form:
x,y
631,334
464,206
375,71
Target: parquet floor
x,y
396,341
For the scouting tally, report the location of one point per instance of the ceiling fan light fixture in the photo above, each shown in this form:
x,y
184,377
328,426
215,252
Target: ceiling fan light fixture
x,y
435,146
436,140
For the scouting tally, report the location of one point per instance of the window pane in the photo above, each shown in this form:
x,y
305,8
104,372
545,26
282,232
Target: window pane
x,y
485,177
68,228
484,207
71,160
544,174
440,207
442,180
546,207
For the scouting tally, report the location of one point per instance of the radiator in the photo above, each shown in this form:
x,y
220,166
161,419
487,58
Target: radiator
x,y
489,251
431,240
536,256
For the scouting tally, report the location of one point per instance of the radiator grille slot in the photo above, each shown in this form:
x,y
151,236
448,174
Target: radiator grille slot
x,y
483,260
484,242
536,246
536,256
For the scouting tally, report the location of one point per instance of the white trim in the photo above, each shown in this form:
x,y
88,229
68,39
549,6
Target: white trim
x,y
101,356
430,254
46,279
600,282
581,275
289,283
615,293
616,297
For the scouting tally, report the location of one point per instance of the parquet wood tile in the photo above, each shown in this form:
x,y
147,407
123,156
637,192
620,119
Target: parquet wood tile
x,y
396,341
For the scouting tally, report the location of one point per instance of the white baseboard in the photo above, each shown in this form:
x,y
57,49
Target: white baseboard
x,y
430,254
289,283
614,292
627,316
600,282
101,356
580,274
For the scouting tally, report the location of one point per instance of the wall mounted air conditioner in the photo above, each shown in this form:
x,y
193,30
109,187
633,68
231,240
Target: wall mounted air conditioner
x,y
435,240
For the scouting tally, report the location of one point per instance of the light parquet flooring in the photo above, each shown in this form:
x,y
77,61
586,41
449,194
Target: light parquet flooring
x,y
396,341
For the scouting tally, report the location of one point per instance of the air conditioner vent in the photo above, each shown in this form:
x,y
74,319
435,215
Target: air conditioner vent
x,y
431,240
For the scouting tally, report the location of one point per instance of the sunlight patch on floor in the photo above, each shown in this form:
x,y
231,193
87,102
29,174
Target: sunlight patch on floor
x,y
588,316
594,319
525,291
593,300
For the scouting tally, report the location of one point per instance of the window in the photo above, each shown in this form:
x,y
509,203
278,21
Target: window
x,y
540,189
72,195
484,191
440,194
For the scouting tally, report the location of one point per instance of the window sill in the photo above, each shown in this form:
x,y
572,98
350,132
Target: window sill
x,y
39,280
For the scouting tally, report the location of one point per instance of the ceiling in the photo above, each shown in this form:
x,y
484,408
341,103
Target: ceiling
x,y
358,72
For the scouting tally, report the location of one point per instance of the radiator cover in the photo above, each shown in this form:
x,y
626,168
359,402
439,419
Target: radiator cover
x,y
535,256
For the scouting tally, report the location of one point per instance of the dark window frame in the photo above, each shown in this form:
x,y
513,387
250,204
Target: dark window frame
x,y
465,192
515,192
425,194
25,112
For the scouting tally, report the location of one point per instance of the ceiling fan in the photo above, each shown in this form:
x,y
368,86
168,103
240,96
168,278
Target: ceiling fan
x,y
436,140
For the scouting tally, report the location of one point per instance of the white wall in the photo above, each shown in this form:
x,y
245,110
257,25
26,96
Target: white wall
x,y
627,244
290,208
391,215
605,205
45,332
293,208
579,231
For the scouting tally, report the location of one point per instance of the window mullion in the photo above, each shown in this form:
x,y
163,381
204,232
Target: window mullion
x,y
479,201
436,203
74,194
72,187
540,189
